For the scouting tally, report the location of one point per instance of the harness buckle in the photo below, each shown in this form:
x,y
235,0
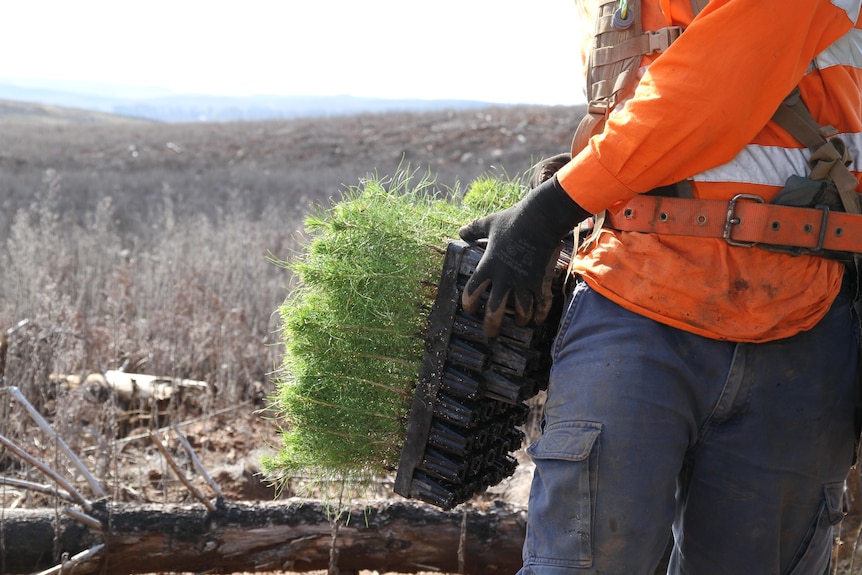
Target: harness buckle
x,y
731,219
600,107
661,39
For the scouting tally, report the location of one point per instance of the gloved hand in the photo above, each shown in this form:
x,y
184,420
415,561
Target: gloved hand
x,y
524,242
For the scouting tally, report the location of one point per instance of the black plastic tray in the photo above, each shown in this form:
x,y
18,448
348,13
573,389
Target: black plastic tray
x,y
468,404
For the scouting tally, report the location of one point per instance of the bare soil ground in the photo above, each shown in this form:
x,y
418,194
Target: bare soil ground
x,y
281,165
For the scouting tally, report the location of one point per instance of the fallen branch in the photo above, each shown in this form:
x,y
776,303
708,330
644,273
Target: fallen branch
x,y
81,517
197,462
295,535
179,473
60,480
37,487
46,427
75,564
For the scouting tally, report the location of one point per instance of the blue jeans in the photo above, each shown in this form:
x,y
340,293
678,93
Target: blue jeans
x,y
740,449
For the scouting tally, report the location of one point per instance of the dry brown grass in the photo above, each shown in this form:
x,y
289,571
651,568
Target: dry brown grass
x,y
144,247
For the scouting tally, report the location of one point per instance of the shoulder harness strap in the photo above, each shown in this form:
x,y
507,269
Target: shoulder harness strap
x,y
618,44
829,157
697,6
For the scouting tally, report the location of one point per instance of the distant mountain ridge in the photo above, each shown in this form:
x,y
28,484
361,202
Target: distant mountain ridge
x,y
28,113
164,106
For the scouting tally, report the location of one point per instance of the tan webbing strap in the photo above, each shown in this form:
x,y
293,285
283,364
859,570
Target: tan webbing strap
x,y
793,116
646,43
697,6
829,158
613,61
606,73
612,68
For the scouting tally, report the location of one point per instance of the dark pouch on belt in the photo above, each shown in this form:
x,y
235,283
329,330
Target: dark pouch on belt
x,y
802,192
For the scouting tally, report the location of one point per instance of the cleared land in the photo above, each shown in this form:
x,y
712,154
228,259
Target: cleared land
x,y
143,247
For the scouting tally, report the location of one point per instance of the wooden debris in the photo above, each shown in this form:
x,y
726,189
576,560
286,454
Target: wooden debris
x,y
399,536
182,477
35,462
46,427
131,386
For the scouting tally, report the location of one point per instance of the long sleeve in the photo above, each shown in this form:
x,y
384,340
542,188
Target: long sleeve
x,y
706,97
701,112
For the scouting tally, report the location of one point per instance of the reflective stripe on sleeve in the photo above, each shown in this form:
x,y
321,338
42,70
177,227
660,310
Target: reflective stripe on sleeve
x,y
851,7
846,51
772,165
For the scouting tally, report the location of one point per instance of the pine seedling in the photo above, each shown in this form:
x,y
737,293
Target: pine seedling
x,y
488,194
353,325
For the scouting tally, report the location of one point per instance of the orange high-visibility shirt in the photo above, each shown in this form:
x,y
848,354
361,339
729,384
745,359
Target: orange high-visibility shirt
x,y
701,112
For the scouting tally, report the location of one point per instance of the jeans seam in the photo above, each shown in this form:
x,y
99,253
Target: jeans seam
x,y
567,320
721,412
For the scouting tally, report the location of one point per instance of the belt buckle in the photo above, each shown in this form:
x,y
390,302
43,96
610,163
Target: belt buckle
x,y
731,219
823,222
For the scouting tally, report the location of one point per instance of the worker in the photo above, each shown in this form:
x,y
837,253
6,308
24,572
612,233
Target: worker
x,y
702,387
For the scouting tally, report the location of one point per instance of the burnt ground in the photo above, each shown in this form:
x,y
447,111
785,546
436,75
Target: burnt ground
x,y
264,166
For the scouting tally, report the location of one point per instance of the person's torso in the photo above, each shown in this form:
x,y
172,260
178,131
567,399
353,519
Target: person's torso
x,y
705,285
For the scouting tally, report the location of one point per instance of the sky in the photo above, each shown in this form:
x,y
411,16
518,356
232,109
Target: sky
x,y
497,51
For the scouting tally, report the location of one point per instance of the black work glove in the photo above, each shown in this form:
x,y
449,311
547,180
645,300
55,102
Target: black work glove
x,y
524,242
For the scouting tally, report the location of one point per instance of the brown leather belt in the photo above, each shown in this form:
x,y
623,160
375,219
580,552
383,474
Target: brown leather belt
x,y
746,220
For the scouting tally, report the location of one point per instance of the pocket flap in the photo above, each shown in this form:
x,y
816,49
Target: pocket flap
x,y
569,441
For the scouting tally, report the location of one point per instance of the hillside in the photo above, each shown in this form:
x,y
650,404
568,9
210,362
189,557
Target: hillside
x,y
166,106
266,166
13,112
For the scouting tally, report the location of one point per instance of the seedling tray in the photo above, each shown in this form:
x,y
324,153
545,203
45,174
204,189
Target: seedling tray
x,y
469,399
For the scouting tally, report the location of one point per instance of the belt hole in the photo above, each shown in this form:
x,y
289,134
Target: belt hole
x,y
775,226
701,219
662,217
807,228
628,213
839,232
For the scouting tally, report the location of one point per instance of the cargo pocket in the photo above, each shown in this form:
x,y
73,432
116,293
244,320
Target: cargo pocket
x,y
563,497
816,551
